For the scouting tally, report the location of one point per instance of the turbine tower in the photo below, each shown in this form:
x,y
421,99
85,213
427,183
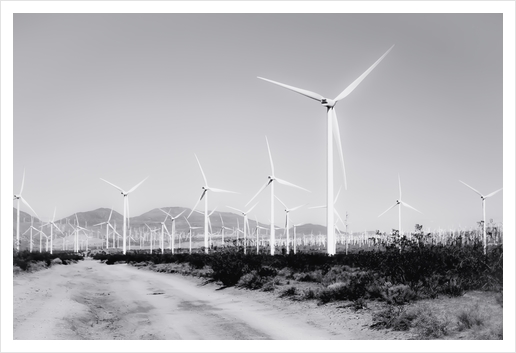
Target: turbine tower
x,y
173,227
19,197
483,210
270,182
333,129
126,207
205,190
399,202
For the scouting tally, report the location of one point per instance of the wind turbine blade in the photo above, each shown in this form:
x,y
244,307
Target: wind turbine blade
x,y
134,187
60,231
110,213
407,205
471,188
196,204
54,216
186,219
491,194
248,211
27,204
270,155
313,207
202,195
221,221
212,212
304,92
122,191
355,83
236,209
23,181
203,176
98,224
259,191
338,142
388,209
221,190
297,207
127,207
337,197
399,184
281,181
183,211
281,202
338,216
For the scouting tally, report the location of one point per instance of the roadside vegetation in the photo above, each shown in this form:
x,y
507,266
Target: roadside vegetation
x,y
403,277
26,261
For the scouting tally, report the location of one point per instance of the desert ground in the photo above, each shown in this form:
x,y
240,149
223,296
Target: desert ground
x,y
93,301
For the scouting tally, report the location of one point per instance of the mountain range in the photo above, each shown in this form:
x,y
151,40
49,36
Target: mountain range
x,y
154,217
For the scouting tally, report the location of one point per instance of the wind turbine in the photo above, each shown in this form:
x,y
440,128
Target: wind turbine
x,y
126,207
258,227
205,190
287,212
399,202
108,225
223,228
31,228
52,224
191,228
173,227
246,222
150,236
19,197
270,182
483,210
333,128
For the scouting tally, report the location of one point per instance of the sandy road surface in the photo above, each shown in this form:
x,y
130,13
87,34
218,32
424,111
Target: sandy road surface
x,y
91,300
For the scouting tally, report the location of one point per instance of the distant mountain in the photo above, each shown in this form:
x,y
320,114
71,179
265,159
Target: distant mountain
x,y
154,217
24,217
90,218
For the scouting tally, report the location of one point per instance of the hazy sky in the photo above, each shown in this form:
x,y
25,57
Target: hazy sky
x,y
126,96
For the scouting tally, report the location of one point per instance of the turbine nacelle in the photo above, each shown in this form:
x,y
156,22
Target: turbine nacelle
x,y
330,103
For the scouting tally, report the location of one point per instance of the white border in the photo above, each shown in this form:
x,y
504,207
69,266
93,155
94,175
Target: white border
x,y
8,8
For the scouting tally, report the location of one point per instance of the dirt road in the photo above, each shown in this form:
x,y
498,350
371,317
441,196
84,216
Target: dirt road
x,y
91,300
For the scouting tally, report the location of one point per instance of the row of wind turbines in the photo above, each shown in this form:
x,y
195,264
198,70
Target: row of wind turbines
x,y
333,135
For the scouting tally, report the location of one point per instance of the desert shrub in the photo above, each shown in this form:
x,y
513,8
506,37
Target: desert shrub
x,y
24,265
398,294
454,287
428,325
286,272
470,317
309,294
251,280
267,271
289,292
268,286
359,304
387,317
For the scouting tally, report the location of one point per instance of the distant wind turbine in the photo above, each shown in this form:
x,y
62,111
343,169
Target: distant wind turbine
x,y
52,224
108,225
333,128
191,228
173,227
126,207
246,222
270,182
205,190
399,202
287,212
19,197
483,210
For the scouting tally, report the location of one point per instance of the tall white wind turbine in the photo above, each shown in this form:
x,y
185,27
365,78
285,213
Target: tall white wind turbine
x,y
270,182
108,225
204,194
483,210
333,129
399,202
287,219
19,197
126,207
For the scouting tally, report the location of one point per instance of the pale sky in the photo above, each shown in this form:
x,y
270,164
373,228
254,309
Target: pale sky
x,y
126,96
